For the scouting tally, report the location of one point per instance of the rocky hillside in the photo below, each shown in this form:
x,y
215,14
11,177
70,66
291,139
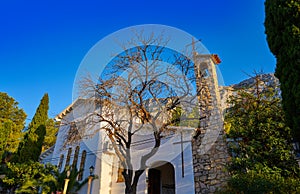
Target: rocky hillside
x,y
266,80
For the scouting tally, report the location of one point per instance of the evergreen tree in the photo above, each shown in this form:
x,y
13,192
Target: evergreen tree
x,y
31,147
263,160
50,137
12,121
282,25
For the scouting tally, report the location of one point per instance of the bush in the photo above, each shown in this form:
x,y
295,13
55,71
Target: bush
x,y
262,180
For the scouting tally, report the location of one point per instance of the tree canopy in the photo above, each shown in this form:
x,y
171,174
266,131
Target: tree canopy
x,y
30,177
50,137
260,142
282,24
25,174
12,121
30,148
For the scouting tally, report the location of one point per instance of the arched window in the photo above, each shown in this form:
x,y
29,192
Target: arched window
x,y
74,165
82,163
204,72
73,134
68,157
61,159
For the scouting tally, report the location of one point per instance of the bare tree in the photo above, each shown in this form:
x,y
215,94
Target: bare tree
x,y
138,93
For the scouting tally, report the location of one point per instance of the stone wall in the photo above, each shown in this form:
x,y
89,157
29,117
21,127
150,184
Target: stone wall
x,y
210,173
210,154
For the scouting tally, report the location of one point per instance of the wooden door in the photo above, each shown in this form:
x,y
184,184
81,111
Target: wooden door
x,y
154,181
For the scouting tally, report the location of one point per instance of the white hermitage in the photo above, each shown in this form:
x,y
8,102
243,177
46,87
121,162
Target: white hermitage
x,y
173,169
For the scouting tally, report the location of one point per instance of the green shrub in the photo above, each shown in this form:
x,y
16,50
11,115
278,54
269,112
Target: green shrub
x,y
262,180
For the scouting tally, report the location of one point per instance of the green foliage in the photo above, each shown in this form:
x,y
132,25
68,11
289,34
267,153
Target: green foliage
x,y
176,114
182,118
282,25
12,120
263,179
263,158
5,130
30,177
27,175
31,147
51,131
73,184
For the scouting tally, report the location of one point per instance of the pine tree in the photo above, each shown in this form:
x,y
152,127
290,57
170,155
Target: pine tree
x,y
30,148
282,25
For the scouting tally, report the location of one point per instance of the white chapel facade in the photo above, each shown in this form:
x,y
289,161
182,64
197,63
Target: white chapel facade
x,y
189,160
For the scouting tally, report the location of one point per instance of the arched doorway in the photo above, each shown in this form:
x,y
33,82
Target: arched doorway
x,y
161,179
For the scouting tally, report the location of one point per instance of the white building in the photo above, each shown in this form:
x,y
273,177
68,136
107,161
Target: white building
x,y
179,166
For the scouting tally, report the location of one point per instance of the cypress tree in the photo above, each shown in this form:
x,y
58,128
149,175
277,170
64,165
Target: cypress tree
x,y
51,131
282,25
30,148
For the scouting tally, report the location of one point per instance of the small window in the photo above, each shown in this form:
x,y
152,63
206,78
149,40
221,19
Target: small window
x,y
73,134
74,165
68,157
82,163
61,159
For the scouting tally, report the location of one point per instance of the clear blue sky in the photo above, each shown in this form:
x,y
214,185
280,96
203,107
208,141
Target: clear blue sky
x,y
43,42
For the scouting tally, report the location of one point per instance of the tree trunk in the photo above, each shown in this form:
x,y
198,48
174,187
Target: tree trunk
x,y
131,189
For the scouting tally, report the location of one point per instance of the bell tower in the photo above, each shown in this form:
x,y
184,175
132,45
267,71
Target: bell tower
x,y
209,147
